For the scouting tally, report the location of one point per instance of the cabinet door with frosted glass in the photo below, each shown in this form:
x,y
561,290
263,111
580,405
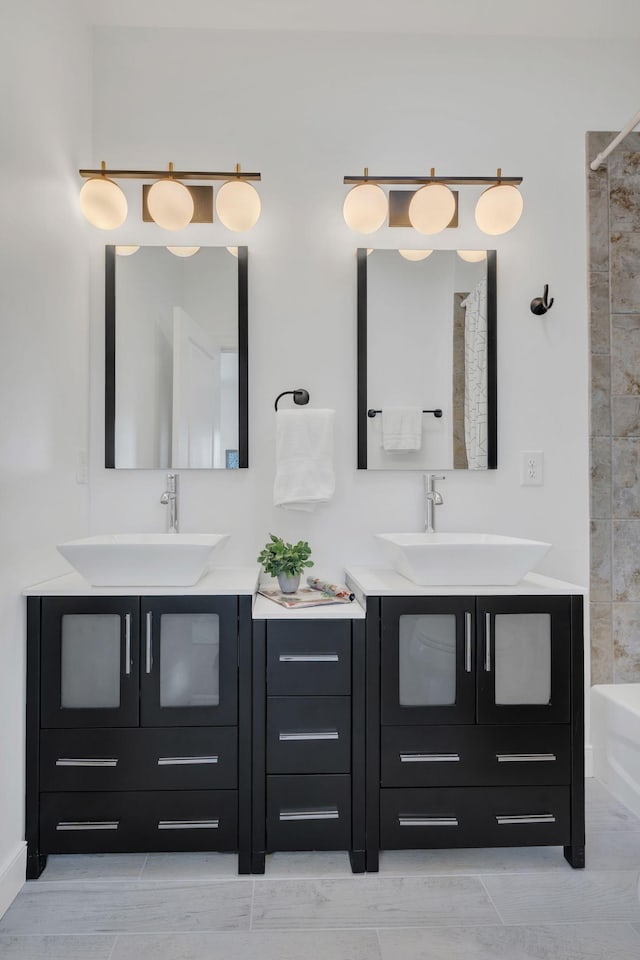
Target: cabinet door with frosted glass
x,y
428,660
524,659
89,675
188,661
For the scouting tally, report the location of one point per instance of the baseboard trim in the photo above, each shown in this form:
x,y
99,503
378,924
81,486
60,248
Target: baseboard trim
x,y
588,760
12,875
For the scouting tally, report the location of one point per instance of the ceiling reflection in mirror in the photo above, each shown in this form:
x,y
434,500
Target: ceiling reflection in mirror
x,y
427,360
176,358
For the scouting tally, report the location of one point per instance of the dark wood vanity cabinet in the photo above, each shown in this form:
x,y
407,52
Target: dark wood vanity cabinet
x,y
308,737
138,725
475,723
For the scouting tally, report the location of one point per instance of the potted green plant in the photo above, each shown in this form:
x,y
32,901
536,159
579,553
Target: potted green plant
x,y
286,561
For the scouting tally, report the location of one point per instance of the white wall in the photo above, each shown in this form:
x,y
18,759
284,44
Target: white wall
x,y
44,300
305,110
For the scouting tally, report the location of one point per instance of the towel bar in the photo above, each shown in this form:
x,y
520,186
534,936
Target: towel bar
x,y
299,396
371,413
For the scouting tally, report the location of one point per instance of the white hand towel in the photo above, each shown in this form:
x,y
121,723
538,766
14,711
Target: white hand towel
x,y
401,428
304,458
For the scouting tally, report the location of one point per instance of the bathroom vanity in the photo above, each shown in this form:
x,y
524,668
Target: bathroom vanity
x,y
474,715
139,717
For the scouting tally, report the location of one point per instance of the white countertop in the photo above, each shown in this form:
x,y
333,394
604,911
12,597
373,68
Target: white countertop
x,y
218,581
265,609
382,582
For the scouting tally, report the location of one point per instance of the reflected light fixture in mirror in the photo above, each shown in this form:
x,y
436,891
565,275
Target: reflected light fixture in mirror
x,y
499,208
415,255
126,250
238,204
183,251
365,207
233,251
170,203
432,207
103,203
472,256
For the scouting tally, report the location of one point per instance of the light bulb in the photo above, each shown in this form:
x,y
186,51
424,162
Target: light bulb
x,y
415,255
499,208
103,203
365,207
126,251
472,256
183,251
238,205
170,204
431,208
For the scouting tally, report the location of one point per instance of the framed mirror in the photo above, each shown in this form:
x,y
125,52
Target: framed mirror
x,y
427,392
176,332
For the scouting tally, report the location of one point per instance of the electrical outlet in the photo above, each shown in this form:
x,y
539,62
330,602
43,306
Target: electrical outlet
x,y
532,468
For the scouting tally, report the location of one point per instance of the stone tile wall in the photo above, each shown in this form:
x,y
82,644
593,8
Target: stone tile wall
x,y
614,273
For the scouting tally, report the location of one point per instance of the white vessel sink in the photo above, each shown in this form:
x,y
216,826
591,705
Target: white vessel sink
x,y
451,559
142,559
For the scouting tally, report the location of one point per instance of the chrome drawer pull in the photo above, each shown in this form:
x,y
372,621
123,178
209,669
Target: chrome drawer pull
x,y
86,762
467,641
525,757
528,818
311,735
149,657
88,825
184,761
428,821
308,658
127,643
188,824
331,813
429,758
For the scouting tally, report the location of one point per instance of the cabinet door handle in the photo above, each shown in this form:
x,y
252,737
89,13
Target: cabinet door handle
x,y
185,761
188,824
428,821
308,658
286,735
429,758
330,813
525,757
527,818
149,659
467,641
88,825
127,643
87,762
487,642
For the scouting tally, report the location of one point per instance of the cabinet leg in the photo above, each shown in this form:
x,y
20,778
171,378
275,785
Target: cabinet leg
x,y
372,861
574,854
257,861
357,859
244,861
35,865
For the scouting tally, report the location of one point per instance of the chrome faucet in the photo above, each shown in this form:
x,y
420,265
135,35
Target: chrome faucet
x,y
170,497
432,498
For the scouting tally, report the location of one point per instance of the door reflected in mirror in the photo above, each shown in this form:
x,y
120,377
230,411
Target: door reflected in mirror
x,y
427,360
176,358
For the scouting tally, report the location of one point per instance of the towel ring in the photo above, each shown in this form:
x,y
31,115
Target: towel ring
x,y
300,396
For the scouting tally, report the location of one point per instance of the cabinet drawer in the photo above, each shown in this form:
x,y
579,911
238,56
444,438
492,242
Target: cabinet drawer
x,y
309,813
138,821
477,817
190,758
433,756
308,657
308,734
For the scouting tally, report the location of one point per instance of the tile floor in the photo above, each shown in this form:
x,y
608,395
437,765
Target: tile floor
x,y
524,904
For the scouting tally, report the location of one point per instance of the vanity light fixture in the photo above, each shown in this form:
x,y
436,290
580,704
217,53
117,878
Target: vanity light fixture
x,y
472,256
415,255
432,206
169,202
183,251
126,250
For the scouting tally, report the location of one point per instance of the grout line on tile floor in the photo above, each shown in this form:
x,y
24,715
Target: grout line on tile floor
x,y
144,863
113,947
491,901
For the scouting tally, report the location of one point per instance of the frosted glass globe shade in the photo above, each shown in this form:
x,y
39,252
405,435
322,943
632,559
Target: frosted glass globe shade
x,y
238,205
499,209
431,208
415,255
170,204
365,207
126,250
472,256
183,251
103,203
